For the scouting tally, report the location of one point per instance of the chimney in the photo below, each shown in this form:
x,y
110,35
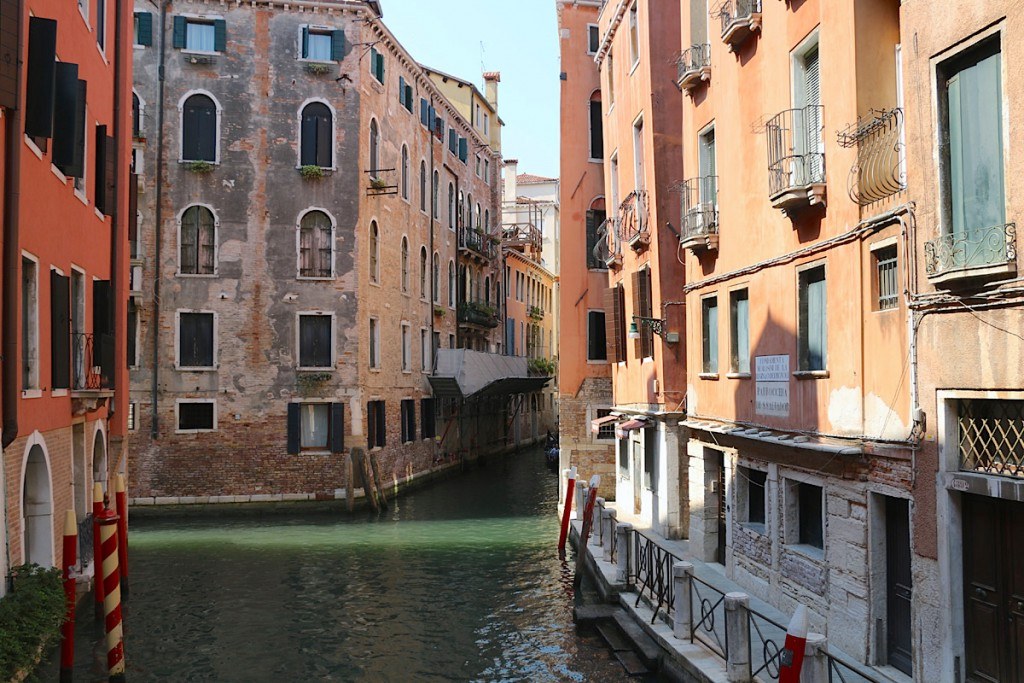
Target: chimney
x,y
511,171
491,79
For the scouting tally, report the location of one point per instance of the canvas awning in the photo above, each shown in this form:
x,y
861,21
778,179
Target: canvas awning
x,y
623,428
461,373
595,424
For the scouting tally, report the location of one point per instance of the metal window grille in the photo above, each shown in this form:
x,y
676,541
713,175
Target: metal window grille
x,y
607,429
991,436
888,279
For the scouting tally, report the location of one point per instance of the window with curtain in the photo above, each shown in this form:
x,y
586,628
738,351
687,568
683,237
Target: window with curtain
x,y
709,336
317,133
316,238
197,254
315,426
739,313
199,129
199,36
405,264
374,252
813,335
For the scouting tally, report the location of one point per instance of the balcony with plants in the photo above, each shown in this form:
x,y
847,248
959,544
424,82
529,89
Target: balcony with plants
x,y
693,67
796,158
478,313
474,242
536,313
699,213
740,20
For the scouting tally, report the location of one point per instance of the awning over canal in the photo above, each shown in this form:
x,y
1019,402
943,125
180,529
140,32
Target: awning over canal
x,y
461,373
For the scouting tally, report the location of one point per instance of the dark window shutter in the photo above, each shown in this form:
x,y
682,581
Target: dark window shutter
x,y
305,42
133,324
199,129
401,90
408,97
308,142
337,45
293,428
103,330
220,35
178,35
382,424
65,111
612,324
424,112
100,169
463,149
145,28
371,424
133,207
324,152
60,330
110,177
40,77
337,427
596,130
10,17
380,68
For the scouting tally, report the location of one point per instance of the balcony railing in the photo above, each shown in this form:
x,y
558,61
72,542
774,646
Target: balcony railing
x,y
700,213
522,235
880,169
633,219
478,313
86,370
609,244
976,253
796,158
694,66
477,242
740,18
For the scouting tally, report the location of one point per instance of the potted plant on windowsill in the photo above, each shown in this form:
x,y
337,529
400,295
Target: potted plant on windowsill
x,y
311,172
378,184
438,311
317,69
199,167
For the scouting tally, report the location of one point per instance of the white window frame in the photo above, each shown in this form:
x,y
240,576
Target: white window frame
x,y
791,527
298,336
177,415
201,19
177,341
298,133
310,450
313,28
406,347
590,28
373,357
35,390
216,243
634,10
181,124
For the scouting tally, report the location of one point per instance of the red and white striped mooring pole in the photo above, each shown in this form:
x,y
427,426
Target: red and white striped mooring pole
x,y
792,656
121,500
67,630
97,581
112,596
566,510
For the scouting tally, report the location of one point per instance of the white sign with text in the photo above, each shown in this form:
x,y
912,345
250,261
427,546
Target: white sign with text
x,y
771,388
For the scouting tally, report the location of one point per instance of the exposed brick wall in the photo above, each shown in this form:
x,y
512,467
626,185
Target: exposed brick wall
x,y
578,446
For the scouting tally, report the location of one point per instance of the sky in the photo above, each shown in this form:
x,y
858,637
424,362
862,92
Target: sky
x,y
519,38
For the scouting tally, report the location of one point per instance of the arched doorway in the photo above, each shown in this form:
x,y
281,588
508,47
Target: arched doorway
x,y
99,460
37,507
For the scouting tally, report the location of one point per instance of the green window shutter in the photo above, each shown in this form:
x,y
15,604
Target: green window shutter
x,y
145,28
305,42
373,61
814,324
463,149
408,97
220,35
178,36
380,68
401,90
337,45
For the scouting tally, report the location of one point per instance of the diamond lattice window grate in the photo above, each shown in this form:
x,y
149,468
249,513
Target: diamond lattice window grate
x,y
992,436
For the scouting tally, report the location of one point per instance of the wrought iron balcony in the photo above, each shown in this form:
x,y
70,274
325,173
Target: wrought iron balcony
x,y
609,244
478,313
477,243
977,253
740,19
633,220
700,213
86,370
694,66
796,158
522,235
879,170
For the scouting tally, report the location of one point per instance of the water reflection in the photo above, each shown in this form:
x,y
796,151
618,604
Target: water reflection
x,y
459,582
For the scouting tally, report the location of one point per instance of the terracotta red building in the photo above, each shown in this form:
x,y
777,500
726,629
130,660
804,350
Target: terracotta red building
x,y
66,223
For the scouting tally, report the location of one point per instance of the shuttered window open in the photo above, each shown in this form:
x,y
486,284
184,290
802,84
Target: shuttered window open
x,y
199,129
144,28
317,136
40,77
104,185
315,341
615,330
642,306
69,121
428,429
377,426
10,19
103,331
316,427
60,331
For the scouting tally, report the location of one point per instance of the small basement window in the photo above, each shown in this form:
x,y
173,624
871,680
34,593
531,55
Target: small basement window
x,y
196,416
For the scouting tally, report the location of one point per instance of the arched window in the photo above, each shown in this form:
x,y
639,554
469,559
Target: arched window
x,y
199,129
423,186
316,241
478,223
405,172
437,279
317,135
374,148
405,264
423,272
462,208
487,290
451,283
468,209
451,206
374,252
136,116
436,190
198,251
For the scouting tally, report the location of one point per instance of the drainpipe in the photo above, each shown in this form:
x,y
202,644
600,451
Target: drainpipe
x,y
11,260
158,222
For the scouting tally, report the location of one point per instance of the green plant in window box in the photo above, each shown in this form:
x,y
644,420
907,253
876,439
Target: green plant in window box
x,y
378,184
541,366
317,69
200,167
311,172
439,311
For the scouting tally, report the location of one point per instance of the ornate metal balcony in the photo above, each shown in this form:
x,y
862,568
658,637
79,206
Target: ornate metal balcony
x,y
700,213
524,235
796,158
609,244
975,254
694,66
740,19
476,243
478,313
633,220
879,171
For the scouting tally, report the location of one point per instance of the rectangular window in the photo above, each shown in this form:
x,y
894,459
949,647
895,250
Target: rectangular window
x,y
593,39
610,61
408,420
451,341
317,44
377,426
709,334
607,429
751,486
143,29
29,325
887,285
615,323
424,351
596,129
639,180
315,348
199,36
316,427
811,531
427,418
634,35
739,322
651,458
197,416
195,340
133,334
406,349
624,457
40,78
597,341
60,331
813,335
101,23
132,417
642,306
374,343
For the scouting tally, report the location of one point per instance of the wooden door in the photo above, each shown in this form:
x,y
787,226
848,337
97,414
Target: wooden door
x,y
899,584
720,513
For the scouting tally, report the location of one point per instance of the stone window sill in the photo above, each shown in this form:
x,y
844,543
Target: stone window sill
x,y
811,374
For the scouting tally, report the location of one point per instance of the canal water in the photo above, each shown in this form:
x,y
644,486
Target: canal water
x,y
459,581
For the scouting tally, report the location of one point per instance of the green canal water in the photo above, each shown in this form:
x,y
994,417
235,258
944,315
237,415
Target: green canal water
x,y
456,582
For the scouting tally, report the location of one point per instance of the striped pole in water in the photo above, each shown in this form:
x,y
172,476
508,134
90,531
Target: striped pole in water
x,y
112,597
97,574
121,500
67,629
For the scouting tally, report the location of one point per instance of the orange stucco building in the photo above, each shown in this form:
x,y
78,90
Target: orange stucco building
x,y
66,232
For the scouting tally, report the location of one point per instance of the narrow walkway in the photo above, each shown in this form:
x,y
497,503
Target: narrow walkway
x,y
702,655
